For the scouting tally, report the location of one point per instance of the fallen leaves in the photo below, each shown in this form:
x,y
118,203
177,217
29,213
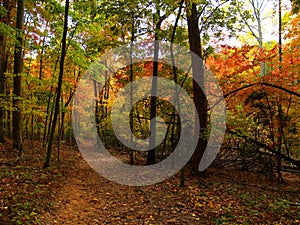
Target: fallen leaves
x,y
72,193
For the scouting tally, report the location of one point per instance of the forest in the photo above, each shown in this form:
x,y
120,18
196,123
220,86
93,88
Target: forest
x,y
149,112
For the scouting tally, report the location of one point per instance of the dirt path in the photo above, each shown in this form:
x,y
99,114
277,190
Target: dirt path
x,y
87,198
79,198
71,192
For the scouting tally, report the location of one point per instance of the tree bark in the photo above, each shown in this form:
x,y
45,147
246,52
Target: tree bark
x,y
18,68
176,89
200,99
152,142
280,113
3,66
8,5
59,87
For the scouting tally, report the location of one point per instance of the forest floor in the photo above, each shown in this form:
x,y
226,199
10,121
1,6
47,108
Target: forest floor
x,y
71,192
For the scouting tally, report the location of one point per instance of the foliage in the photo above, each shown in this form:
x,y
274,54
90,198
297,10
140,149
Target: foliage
x,y
263,117
266,114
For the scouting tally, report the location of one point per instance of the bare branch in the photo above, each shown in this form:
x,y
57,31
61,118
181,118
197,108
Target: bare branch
x,y
262,145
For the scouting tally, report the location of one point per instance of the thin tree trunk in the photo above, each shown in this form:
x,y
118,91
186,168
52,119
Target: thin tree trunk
x,y
18,68
257,10
3,66
131,89
59,87
41,59
152,141
9,94
280,127
45,135
97,109
32,130
176,89
60,129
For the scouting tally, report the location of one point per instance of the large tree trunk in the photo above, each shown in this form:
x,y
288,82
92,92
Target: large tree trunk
x,y
18,68
8,5
59,87
200,99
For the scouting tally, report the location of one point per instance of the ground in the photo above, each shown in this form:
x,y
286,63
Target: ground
x,y
70,192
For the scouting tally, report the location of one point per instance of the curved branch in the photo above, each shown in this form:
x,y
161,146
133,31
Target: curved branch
x,y
254,84
239,89
264,84
280,88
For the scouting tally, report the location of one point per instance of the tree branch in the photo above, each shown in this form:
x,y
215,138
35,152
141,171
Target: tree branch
x,y
209,17
262,145
254,84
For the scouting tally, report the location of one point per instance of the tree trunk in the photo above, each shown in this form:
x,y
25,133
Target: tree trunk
x,y
8,5
131,154
200,100
18,67
257,10
152,141
3,66
176,89
97,109
48,117
59,87
280,113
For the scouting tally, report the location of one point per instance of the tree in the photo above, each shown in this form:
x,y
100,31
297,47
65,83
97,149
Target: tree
x,y
59,87
176,81
200,100
158,19
5,19
18,68
263,110
209,16
253,15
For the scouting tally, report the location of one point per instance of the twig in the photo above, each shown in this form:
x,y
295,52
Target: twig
x,y
7,163
202,182
145,193
258,186
294,204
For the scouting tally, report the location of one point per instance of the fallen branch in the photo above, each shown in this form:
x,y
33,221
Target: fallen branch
x,y
295,162
257,186
294,204
7,163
